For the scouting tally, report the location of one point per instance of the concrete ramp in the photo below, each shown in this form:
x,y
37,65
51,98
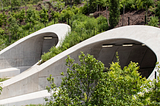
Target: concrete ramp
x,y
137,42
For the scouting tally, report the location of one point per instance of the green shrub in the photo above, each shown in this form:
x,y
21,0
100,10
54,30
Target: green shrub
x,y
86,84
154,21
102,23
84,9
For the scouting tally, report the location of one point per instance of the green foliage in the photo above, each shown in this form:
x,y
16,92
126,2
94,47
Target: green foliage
x,y
129,4
13,27
83,27
154,21
54,15
121,87
158,10
21,15
15,3
1,80
35,105
1,32
3,19
87,84
32,16
84,9
78,86
43,15
154,93
0,89
114,8
59,5
142,4
102,23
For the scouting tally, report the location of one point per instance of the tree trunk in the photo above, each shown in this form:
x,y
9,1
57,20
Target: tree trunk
x,y
107,15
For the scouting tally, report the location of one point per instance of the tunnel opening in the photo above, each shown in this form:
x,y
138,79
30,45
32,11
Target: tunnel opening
x,y
49,41
128,50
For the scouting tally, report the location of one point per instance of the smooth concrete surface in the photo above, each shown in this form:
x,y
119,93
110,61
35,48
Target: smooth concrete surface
x,y
9,72
23,100
27,51
35,78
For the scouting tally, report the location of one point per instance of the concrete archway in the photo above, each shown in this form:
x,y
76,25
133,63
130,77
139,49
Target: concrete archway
x,y
128,50
27,51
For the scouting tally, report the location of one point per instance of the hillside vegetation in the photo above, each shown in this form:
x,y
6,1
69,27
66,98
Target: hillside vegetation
x,y
19,18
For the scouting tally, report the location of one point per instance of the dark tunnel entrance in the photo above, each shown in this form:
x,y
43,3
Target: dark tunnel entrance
x,y
128,50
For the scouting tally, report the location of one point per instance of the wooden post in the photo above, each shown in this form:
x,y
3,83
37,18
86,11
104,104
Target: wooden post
x,y
146,14
107,15
128,20
145,19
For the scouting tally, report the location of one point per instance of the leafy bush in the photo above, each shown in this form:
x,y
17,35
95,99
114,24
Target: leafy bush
x,y
102,23
154,21
90,23
86,84
84,9
43,16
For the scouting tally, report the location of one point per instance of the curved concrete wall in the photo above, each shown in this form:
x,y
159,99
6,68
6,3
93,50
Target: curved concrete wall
x,y
27,51
35,78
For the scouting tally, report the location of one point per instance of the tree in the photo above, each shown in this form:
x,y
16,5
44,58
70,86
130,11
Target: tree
x,y
78,86
121,87
87,84
114,8
144,4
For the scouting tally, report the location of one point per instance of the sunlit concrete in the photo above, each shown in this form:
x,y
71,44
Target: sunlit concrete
x,y
34,79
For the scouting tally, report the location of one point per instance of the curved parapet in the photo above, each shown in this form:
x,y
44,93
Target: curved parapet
x,y
133,43
27,51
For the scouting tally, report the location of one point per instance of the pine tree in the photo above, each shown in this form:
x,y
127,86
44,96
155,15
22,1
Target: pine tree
x,y
114,8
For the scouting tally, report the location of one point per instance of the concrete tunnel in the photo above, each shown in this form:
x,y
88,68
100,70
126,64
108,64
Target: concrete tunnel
x,y
128,50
